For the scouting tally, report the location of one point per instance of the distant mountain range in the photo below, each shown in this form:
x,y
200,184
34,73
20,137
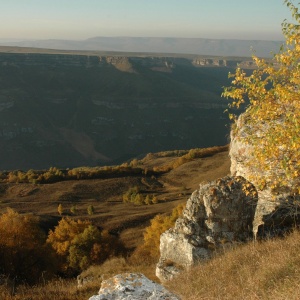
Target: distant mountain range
x,y
198,46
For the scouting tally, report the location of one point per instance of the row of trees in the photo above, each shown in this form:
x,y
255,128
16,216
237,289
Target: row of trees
x,y
186,157
73,209
133,195
55,175
133,168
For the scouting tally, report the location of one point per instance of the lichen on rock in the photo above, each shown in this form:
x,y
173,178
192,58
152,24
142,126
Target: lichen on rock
x,y
217,214
132,286
276,208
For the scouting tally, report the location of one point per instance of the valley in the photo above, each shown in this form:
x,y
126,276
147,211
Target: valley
x,y
68,109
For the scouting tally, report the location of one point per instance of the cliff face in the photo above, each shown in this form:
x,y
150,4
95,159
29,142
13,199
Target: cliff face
x,y
33,59
216,62
68,110
124,63
274,211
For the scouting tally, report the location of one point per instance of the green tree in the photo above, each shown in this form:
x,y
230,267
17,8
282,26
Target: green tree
x,y
272,98
130,194
62,236
154,199
80,252
79,244
90,210
73,209
139,199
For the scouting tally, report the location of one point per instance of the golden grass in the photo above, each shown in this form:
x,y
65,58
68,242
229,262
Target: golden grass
x,y
65,289
262,270
106,197
60,289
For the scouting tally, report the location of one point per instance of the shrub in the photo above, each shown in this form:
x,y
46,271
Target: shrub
x,y
159,224
80,244
24,254
60,209
272,96
90,210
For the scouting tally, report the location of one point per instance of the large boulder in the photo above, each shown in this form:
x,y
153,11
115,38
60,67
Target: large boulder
x,y
276,211
217,214
231,209
131,286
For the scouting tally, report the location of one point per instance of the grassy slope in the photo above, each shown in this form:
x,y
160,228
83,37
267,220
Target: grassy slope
x,y
264,270
106,196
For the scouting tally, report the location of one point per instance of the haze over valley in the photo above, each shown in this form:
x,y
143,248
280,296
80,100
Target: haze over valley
x,y
67,110
194,46
103,82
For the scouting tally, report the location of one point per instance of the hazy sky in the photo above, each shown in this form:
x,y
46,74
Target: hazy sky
x,y
81,19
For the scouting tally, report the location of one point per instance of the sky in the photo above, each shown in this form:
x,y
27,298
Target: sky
x,y
82,19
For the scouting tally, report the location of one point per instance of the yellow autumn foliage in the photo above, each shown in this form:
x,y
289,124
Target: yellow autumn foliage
x,y
24,254
80,244
64,233
159,224
272,115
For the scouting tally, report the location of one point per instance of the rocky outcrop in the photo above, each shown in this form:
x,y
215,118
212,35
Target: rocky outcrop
x,y
121,63
217,214
134,287
231,209
276,212
216,62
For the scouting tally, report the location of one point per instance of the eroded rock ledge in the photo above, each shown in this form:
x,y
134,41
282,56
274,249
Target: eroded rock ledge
x,y
217,214
228,210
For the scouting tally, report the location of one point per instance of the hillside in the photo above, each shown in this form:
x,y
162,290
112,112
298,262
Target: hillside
x,y
66,110
265,270
105,195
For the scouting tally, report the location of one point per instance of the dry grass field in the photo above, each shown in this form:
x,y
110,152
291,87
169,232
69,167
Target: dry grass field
x,y
262,270
269,270
105,195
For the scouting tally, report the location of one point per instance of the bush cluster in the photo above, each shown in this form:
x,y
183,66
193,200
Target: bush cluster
x,y
133,195
26,252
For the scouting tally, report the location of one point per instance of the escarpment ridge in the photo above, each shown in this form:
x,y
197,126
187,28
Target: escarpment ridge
x,y
68,109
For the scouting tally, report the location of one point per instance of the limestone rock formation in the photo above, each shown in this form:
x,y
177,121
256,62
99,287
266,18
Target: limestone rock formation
x,y
131,286
230,209
275,213
217,214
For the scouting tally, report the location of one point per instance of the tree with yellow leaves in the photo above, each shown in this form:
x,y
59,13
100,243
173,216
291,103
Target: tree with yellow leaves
x,y
62,236
80,244
24,254
60,209
272,116
159,224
